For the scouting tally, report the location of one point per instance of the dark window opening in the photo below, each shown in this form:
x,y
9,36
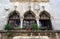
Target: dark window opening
x,y
14,19
28,22
29,19
45,21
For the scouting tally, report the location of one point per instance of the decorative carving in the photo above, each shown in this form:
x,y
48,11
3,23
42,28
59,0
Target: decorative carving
x,y
36,7
16,4
43,7
15,7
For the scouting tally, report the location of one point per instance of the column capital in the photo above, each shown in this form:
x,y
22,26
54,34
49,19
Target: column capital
x,y
37,17
21,17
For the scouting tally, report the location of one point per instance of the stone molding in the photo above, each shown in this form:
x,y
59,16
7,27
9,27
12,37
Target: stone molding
x,y
29,0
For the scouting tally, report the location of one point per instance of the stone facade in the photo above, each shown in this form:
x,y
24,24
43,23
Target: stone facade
x,y
37,8
50,6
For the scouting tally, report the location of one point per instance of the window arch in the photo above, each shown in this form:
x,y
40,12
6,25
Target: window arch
x,y
44,15
29,15
29,19
14,19
45,21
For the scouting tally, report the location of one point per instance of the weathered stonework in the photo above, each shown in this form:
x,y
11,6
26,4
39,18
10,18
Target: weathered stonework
x,y
23,7
29,0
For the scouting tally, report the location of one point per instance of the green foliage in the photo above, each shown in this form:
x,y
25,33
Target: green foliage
x,y
17,28
34,27
8,27
9,34
24,27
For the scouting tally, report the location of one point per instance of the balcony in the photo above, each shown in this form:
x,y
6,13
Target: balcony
x,y
50,33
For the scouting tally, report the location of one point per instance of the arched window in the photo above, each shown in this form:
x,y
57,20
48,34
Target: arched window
x,y
14,19
29,19
45,21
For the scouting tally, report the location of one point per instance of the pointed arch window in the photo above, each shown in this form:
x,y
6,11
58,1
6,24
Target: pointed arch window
x,y
45,21
29,19
14,19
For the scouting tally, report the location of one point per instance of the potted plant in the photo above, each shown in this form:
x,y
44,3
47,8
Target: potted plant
x,y
34,27
8,27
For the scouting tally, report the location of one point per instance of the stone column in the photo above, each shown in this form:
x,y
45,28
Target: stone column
x,y
21,20
37,20
57,36
38,34
31,34
45,33
21,25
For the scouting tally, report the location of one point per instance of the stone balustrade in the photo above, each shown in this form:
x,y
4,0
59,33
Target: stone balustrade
x,y
31,37
30,34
